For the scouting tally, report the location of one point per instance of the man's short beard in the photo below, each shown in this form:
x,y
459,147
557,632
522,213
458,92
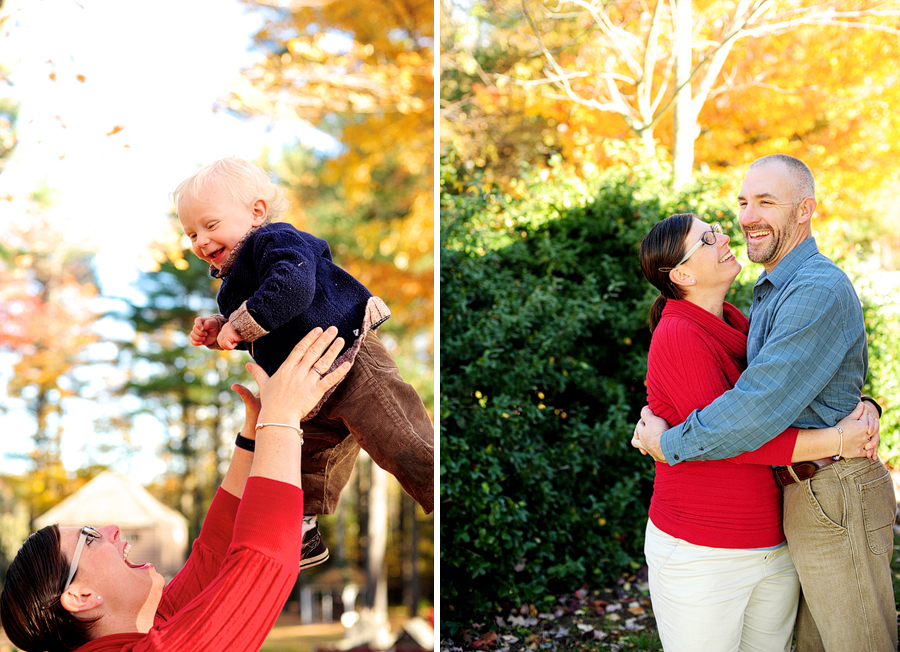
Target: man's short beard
x,y
772,252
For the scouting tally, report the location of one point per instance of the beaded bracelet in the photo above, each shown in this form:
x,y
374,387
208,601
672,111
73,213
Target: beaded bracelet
x,y
283,425
841,451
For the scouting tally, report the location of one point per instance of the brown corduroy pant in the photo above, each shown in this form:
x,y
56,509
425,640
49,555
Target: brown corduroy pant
x,y
373,409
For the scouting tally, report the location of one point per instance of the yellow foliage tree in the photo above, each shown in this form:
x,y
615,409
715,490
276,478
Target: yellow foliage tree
x,y
364,73
45,318
814,79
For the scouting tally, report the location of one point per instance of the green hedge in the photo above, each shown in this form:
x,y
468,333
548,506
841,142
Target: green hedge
x,y
881,307
544,340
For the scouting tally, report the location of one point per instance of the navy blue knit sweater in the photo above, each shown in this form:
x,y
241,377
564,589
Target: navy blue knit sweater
x,y
290,286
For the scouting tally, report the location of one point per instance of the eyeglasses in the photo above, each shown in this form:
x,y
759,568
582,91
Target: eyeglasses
x,y
88,533
708,238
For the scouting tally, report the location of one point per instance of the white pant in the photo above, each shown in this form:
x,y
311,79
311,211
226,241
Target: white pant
x,y
720,599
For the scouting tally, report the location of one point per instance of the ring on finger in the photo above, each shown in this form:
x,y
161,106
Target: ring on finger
x,y
318,371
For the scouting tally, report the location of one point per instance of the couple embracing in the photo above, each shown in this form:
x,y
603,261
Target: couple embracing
x,y
771,422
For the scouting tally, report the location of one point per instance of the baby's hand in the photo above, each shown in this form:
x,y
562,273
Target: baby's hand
x,y
204,331
228,338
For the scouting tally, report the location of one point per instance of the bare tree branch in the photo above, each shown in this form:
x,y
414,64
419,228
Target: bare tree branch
x,y
618,37
293,5
616,104
786,26
645,82
555,79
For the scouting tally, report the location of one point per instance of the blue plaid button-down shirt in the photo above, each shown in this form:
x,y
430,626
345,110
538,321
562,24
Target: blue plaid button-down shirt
x,y
807,358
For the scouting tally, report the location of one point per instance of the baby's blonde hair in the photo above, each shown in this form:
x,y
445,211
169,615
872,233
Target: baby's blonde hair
x,y
244,181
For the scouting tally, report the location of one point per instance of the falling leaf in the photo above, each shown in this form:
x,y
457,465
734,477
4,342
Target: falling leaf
x,y
80,78
115,130
52,76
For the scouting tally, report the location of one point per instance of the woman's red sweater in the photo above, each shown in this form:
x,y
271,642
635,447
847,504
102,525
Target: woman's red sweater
x,y
240,572
694,358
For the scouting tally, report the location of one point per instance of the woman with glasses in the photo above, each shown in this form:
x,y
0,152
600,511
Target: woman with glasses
x,y
721,575
76,589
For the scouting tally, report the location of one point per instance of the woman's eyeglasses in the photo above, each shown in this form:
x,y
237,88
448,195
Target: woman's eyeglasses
x,y
708,238
87,532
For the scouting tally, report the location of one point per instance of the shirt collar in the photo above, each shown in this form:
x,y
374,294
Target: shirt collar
x,y
788,266
215,272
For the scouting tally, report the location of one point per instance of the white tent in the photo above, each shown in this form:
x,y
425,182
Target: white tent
x,y
158,533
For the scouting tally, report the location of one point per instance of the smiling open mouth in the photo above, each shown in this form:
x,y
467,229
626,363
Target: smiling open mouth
x,y
128,563
756,235
217,255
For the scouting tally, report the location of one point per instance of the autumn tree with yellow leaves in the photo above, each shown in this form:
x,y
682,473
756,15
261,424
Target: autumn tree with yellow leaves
x,y
716,83
46,286
364,74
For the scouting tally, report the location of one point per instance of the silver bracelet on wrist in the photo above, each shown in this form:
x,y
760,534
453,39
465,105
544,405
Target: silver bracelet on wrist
x,y
841,451
283,425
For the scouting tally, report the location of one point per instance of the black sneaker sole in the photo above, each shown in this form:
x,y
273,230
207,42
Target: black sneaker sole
x,y
315,560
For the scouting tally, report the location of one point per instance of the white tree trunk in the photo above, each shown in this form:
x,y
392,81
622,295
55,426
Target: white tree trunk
x,y
373,628
376,571
684,116
648,143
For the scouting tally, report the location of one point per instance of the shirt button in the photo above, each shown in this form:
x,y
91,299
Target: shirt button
x,y
676,457
701,448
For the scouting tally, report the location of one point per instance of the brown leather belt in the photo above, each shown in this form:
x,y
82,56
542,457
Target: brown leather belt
x,y
804,470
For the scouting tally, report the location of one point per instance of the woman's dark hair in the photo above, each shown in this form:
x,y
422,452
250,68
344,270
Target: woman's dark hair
x,y
30,608
661,249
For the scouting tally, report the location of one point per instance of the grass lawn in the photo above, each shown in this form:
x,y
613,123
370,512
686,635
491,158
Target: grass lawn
x,y
289,635
612,619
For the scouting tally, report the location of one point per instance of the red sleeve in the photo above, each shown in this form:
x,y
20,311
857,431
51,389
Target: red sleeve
x,y
690,377
779,450
207,554
237,609
686,373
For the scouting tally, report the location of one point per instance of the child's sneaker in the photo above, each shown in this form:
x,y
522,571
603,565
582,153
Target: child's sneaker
x,y
314,551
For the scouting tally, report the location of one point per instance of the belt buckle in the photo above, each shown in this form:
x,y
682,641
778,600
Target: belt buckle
x,y
804,470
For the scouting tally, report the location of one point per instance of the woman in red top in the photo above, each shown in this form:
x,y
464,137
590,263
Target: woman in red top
x,y
721,576
75,589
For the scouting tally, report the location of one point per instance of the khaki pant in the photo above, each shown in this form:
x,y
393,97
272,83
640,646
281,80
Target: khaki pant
x,y
375,409
839,525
